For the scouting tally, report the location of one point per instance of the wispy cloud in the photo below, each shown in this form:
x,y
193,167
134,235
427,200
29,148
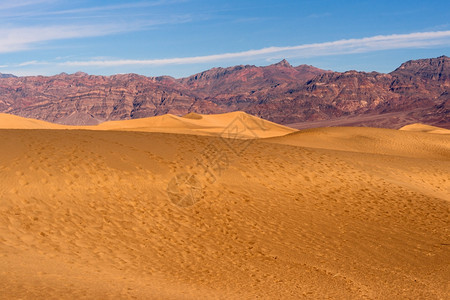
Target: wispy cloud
x,y
347,46
23,38
339,47
31,63
4,5
29,24
86,11
316,16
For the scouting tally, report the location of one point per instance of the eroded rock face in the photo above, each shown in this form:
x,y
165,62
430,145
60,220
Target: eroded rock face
x,y
418,89
63,97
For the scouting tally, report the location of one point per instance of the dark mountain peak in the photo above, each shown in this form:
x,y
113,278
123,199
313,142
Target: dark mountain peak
x,y
248,79
7,75
214,74
128,76
66,75
163,78
284,63
79,73
431,68
417,63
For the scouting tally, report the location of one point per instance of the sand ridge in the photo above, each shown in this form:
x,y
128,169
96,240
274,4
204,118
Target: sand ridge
x,y
8,121
425,128
337,213
371,140
240,124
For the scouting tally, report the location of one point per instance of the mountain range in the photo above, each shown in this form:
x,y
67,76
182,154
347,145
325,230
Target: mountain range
x,y
301,96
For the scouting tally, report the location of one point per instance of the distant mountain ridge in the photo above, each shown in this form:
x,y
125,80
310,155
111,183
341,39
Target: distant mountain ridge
x,y
303,96
6,75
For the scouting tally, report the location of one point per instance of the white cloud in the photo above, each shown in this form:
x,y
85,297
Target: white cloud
x,y
71,23
31,63
44,9
17,39
23,38
368,44
104,8
4,5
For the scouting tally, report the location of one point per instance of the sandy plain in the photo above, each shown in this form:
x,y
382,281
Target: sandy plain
x,y
224,207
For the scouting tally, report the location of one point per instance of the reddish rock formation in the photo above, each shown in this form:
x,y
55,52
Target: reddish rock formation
x,y
87,99
418,91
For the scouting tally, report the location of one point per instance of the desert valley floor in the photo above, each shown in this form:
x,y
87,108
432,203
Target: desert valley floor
x,y
222,206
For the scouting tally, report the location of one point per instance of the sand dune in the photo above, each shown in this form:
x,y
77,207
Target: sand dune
x,y
239,123
337,213
372,140
8,121
425,128
234,124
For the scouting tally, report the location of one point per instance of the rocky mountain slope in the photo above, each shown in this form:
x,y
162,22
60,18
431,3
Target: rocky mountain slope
x,y
302,96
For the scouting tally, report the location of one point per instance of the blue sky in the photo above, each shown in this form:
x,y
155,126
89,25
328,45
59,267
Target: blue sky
x,y
183,37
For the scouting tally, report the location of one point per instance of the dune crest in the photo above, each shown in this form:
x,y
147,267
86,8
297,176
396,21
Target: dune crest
x,y
371,140
193,116
239,124
425,128
8,121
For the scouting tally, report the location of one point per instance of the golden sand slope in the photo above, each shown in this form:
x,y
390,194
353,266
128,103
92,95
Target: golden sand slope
x,y
15,122
237,124
371,140
425,128
352,214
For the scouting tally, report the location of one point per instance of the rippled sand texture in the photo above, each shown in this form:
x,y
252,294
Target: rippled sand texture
x,y
118,211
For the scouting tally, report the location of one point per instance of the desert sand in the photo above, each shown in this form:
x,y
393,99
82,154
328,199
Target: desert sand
x,y
222,206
